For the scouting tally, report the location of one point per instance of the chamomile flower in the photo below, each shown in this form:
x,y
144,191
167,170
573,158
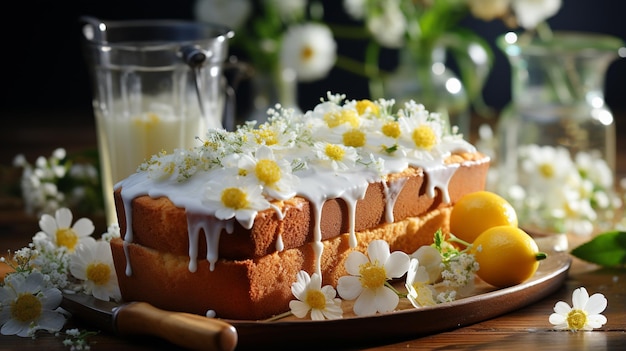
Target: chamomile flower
x,y
368,278
28,304
235,199
62,233
308,49
584,314
274,175
93,264
311,296
336,156
420,134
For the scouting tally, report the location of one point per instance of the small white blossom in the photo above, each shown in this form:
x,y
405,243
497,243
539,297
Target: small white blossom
x,y
530,13
584,314
312,297
367,282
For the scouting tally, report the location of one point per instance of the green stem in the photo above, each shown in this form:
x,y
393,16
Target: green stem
x,y
387,284
372,70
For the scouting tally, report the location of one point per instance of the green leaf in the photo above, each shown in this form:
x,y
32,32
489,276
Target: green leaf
x,y
607,249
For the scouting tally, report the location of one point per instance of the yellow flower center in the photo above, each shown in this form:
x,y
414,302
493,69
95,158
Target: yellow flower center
x,y
334,152
576,319
26,308
392,130
267,171
98,273
67,237
363,105
354,138
372,275
306,53
234,198
424,137
265,136
546,170
335,119
316,299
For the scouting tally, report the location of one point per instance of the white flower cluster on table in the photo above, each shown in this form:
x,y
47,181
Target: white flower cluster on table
x,y
564,193
56,181
62,258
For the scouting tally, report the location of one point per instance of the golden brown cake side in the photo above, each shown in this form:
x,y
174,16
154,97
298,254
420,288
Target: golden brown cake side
x,y
253,288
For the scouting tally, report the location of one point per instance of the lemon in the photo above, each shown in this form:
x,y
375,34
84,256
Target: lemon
x,y
506,256
478,211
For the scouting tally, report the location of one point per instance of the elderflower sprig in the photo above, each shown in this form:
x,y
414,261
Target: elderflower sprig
x,y
59,181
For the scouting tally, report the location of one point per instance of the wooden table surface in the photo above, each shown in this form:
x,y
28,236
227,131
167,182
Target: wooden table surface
x,y
525,329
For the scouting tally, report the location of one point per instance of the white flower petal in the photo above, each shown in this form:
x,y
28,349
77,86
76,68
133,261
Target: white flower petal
x,y
562,308
378,251
299,308
386,300
51,298
51,320
557,319
48,224
365,304
596,320
580,298
596,304
349,287
13,327
354,261
83,227
397,264
63,217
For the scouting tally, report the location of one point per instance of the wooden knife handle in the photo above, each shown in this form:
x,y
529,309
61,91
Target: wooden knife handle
x,y
184,329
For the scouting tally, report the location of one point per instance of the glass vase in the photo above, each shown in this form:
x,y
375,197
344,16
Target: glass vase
x,y
555,159
422,76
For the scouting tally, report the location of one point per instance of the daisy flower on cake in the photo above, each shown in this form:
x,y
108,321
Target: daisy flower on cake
x,y
368,279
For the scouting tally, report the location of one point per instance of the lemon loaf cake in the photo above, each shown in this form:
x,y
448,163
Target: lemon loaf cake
x,y
226,226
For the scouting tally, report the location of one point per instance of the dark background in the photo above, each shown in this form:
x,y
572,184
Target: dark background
x,y
44,72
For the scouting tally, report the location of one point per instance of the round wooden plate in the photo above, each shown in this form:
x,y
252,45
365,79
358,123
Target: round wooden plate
x,y
406,322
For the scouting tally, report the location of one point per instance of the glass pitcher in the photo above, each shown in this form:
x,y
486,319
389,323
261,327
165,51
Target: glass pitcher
x,y
158,85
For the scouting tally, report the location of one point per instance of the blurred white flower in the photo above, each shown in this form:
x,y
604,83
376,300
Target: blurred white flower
x,y
530,13
309,49
230,13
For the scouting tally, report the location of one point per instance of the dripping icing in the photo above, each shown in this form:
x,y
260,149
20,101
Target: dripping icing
x,y
316,185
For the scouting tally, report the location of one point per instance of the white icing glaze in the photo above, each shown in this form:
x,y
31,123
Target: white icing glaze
x,y
317,185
